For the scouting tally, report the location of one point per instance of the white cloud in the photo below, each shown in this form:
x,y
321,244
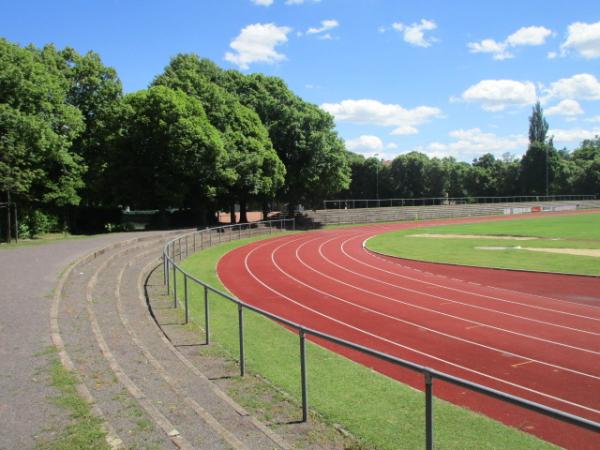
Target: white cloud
x,y
256,43
567,107
369,146
528,36
572,136
523,36
373,112
594,119
584,38
365,143
583,86
498,49
472,143
497,95
415,32
300,2
552,55
262,2
326,25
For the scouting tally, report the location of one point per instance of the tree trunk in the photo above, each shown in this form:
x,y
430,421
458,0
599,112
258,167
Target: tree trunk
x,y
232,213
8,224
243,215
265,210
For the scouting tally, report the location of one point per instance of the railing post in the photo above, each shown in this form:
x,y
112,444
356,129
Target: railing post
x,y
206,321
167,272
428,411
303,380
174,286
164,269
241,329
185,298
239,231
210,237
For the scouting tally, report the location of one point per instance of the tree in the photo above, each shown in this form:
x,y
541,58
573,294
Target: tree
x,y
96,91
302,134
256,170
408,173
537,165
169,155
538,126
37,129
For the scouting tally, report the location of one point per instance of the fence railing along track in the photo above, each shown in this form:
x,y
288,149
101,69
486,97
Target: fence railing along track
x,y
178,248
353,203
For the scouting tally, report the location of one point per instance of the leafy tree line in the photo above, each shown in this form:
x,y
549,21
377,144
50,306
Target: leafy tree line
x,y
201,139
542,169
198,138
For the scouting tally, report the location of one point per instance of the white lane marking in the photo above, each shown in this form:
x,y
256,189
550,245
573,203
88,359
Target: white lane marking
x,y
470,292
423,327
396,344
415,291
512,291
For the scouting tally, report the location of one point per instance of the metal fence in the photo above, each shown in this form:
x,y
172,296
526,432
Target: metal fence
x,y
179,247
429,201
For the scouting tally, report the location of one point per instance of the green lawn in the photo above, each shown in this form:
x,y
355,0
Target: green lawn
x,y
379,411
573,232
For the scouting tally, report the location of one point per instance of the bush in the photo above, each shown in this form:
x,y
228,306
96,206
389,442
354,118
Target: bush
x,y
37,222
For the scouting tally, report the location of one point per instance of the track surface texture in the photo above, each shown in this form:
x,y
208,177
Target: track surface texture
x,y
534,335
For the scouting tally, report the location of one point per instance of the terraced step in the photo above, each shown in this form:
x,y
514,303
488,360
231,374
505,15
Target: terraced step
x,y
151,395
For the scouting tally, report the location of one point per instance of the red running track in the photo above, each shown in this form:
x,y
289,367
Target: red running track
x,y
534,335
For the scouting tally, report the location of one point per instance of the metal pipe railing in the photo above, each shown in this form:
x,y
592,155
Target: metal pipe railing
x,y
303,332
354,203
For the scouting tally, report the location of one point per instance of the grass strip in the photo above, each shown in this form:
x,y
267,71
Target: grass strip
x,y
380,412
85,429
577,232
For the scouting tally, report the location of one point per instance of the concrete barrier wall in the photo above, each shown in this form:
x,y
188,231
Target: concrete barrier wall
x,y
399,213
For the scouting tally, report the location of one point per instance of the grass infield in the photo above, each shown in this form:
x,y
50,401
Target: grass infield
x,y
560,232
378,411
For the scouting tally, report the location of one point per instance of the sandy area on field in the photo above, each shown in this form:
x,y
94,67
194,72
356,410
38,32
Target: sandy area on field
x,y
476,236
569,251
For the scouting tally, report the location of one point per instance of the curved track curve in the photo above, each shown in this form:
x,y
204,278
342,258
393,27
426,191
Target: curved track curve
x,y
534,335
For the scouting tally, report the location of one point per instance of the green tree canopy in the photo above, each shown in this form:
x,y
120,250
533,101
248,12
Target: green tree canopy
x,y
37,129
256,170
169,155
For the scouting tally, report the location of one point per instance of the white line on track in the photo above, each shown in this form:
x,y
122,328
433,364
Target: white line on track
x,y
450,336
396,344
471,292
415,291
501,289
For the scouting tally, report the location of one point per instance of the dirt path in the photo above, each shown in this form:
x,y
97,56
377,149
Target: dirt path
x,y
27,277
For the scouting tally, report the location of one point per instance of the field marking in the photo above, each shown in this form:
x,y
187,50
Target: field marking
x,y
385,297
396,344
502,289
407,322
462,291
522,363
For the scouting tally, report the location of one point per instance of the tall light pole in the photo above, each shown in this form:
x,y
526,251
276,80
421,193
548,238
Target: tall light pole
x,y
377,179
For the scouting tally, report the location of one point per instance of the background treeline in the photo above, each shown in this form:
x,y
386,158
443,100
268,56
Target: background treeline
x,y
74,150
414,174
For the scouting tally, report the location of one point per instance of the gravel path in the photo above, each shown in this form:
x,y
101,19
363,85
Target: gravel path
x,y
27,277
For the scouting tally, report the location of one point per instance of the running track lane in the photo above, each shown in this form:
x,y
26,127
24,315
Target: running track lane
x,y
534,335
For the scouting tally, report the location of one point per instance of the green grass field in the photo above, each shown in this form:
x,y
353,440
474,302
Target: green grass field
x,y
379,411
571,232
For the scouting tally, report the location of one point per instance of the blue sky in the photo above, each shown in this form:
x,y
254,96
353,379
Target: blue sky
x,y
447,78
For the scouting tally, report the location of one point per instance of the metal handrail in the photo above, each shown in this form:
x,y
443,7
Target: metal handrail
x,y
353,203
171,268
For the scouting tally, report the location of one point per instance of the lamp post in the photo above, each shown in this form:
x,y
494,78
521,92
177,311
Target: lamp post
x,y
377,179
